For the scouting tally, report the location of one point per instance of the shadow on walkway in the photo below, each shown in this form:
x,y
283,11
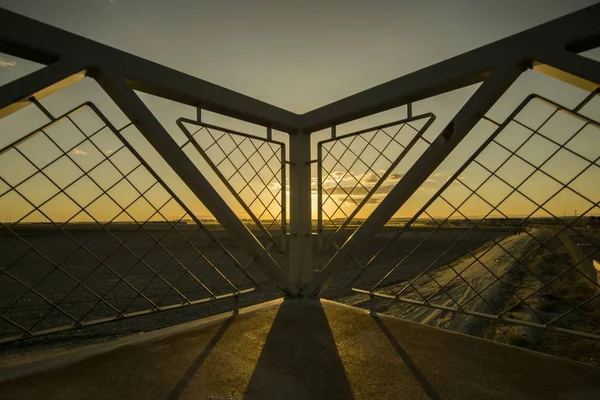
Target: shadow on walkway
x,y
300,358
191,372
421,379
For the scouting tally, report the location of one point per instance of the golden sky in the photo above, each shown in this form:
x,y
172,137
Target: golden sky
x,y
287,62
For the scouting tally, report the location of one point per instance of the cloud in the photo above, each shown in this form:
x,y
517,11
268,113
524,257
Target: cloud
x,y
344,190
395,177
7,63
460,178
339,186
374,200
353,200
78,152
340,183
370,178
429,184
274,186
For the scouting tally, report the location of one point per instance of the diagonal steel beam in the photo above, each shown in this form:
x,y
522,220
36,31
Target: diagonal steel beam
x,y
163,143
15,95
481,101
568,67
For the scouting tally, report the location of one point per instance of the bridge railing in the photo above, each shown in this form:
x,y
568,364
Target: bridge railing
x,y
479,241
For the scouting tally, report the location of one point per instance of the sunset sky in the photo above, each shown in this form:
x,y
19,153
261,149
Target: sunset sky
x,y
300,57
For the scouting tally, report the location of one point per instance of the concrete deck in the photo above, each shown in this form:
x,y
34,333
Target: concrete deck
x,y
301,350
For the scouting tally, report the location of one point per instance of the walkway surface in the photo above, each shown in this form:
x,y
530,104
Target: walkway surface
x,y
301,349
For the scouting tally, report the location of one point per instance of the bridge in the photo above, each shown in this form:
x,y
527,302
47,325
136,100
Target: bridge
x,y
369,247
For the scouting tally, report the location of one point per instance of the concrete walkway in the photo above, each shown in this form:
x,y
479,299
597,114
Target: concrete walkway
x,y
302,350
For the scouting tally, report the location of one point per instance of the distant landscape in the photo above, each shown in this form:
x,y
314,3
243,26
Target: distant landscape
x,y
164,251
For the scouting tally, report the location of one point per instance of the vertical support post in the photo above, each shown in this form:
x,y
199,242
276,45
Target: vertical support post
x,y
284,228
236,304
409,112
199,114
320,196
300,250
372,304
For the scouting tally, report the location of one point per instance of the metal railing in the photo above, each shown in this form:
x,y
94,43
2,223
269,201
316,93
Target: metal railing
x,y
97,235
353,167
521,257
252,168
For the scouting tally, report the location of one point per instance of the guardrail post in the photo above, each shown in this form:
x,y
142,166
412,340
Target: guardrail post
x,y
300,265
236,304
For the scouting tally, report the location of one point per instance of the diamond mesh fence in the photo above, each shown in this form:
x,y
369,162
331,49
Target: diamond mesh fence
x,y
356,170
92,234
252,168
499,239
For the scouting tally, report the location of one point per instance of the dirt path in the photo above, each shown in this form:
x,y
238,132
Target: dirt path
x,y
477,277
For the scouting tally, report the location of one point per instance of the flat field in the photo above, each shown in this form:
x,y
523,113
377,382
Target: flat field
x,y
92,274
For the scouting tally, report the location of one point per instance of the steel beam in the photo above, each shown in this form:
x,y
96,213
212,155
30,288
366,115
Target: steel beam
x,y
163,143
181,124
579,31
481,101
300,246
30,39
39,84
33,40
568,67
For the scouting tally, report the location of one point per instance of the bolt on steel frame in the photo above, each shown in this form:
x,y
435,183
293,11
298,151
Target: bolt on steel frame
x,y
550,48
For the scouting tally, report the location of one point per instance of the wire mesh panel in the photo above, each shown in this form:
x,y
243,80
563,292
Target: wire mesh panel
x,y
511,236
92,234
357,169
252,168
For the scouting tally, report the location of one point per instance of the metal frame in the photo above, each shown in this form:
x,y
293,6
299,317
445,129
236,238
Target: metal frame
x,y
122,244
393,164
550,43
458,307
225,180
163,143
497,65
483,99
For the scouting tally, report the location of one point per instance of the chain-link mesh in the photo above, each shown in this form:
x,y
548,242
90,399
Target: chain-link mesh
x,y
91,233
252,168
358,169
510,236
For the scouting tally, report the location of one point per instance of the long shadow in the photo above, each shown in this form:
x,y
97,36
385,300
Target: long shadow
x,y
421,379
191,372
299,358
